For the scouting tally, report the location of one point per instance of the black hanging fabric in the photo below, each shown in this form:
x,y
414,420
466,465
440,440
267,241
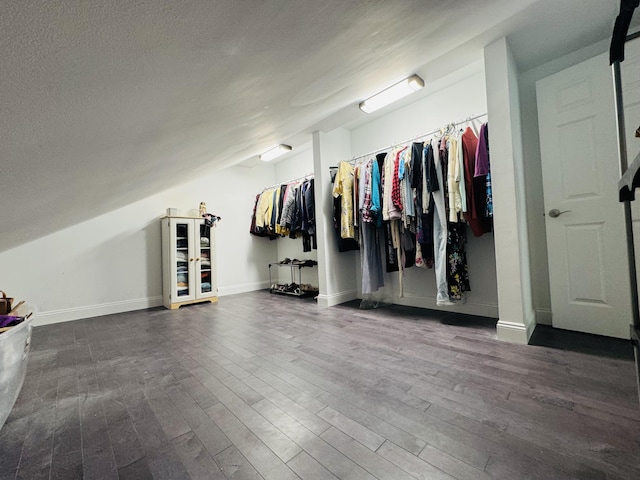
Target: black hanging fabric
x,y
620,30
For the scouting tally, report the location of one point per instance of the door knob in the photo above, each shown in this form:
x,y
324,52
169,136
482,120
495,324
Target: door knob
x,y
555,213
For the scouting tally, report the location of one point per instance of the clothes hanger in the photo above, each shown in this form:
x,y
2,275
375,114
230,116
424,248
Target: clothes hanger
x,y
471,123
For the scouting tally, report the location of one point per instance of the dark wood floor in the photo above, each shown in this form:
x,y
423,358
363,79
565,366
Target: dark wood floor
x,y
264,386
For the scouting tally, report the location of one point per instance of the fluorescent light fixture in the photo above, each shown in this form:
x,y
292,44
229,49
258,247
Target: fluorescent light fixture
x,y
275,152
391,94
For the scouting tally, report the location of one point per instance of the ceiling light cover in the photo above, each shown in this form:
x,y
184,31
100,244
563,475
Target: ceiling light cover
x,y
391,94
275,152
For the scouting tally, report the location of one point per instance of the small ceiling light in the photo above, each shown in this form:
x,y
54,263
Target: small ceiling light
x,y
275,152
391,94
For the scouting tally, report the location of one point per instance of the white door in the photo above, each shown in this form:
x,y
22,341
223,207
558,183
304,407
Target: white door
x,y
588,270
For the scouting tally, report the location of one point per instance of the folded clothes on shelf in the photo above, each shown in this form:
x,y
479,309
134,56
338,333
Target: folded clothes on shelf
x,y
10,320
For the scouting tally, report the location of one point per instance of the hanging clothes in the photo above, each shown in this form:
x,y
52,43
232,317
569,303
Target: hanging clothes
x,y
343,187
462,187
376,190
344,244
453,179
282,193
286,210
308,216
483,168
455,257
430,185
261,220
414,203
457,271
252,228
469,146
440,233
288,206
417,154
395,210
370,259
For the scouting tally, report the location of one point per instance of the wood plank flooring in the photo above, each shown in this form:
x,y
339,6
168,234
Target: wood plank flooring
x,y
269,387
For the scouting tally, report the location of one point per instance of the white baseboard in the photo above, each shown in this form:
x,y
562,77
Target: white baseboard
x,y
88,311
469,308
336,298
544,316
242,288
515,332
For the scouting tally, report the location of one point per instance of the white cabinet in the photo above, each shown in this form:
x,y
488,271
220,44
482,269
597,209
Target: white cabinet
x,y
188,262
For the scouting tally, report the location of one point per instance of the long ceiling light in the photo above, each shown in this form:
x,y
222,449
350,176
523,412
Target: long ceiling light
x,y
275,152
391,94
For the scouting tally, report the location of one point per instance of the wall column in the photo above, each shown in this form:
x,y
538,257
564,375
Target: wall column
x,y
336,271
516,315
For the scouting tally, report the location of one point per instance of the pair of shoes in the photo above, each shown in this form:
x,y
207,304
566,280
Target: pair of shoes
x,y
285,261
304,263
445,303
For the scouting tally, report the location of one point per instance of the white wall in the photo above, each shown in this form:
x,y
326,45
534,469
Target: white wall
x,y
452,102
112,263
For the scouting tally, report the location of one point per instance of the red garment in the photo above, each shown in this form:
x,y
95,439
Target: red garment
x,y
395,185
475,207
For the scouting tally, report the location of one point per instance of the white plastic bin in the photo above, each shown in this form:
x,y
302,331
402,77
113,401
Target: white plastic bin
x,y
14,353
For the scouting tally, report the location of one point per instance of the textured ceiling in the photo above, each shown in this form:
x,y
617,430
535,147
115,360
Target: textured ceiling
x,y
105,102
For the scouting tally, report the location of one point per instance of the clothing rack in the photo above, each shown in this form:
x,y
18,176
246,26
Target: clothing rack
x,y
416,137
302,177
630,180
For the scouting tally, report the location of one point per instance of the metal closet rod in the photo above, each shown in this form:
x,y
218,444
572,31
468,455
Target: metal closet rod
x,y
289,181
416,137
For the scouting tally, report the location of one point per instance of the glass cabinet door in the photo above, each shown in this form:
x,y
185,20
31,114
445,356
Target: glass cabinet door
x,y
205,283
183,261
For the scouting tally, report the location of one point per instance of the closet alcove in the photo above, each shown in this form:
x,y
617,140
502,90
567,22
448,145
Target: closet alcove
x,y
340,275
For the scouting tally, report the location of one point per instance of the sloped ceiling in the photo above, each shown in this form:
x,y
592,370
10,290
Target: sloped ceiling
x,y
105,102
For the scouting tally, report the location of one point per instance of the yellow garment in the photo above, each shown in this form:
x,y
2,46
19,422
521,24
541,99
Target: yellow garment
x,y
453,181
264,209
267,220
343,185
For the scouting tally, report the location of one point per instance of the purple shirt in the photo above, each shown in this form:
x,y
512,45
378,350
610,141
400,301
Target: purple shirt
x,y
482,153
